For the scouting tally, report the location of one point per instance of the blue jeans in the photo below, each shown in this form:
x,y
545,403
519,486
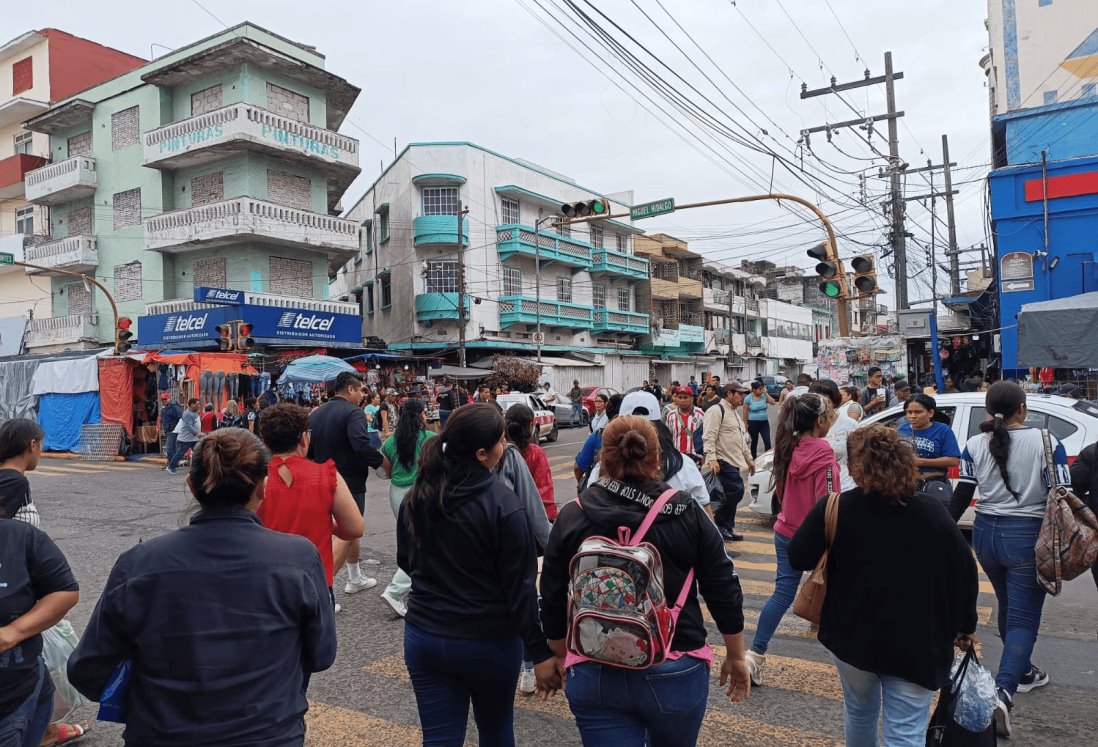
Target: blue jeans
x,y
661,706
448,673
785,589
577,414
181,448
1004,546
906,708
375,439
25,726
732,482
169,445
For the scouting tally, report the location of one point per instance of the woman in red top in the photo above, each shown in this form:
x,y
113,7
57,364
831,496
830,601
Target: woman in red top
x,y
303,497
520,432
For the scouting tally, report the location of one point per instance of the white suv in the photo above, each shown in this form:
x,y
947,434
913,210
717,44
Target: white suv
x,y
1074,422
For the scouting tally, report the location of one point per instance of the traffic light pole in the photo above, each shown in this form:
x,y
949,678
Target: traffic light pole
x,y
844,309
85,278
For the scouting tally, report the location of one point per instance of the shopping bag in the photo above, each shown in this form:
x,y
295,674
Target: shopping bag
x,y
965,713
58,643
714,487
112,704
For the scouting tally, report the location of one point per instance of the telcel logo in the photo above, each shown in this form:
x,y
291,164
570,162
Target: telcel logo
x,y
215,294
185,323
314,322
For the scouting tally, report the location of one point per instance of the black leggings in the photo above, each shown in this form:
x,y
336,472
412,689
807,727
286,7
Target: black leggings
x,y
756,428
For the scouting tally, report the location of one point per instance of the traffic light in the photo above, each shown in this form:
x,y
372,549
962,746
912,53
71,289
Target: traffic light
x,y
830,269
244,341
865,274
123,335
224,337
600,206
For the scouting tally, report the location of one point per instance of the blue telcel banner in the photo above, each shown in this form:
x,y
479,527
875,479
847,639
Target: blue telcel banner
x,y
294,326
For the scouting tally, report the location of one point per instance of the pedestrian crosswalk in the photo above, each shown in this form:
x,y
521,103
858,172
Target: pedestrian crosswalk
x,y
59,468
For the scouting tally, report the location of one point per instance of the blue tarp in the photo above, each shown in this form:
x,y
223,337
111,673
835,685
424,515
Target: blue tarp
x,y
314,369
62,415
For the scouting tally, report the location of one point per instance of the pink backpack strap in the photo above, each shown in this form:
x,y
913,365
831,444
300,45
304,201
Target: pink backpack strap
x,y
653,512
687,585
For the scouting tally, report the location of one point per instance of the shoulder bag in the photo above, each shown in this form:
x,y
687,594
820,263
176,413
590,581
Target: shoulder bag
x,y
1067,544
810,597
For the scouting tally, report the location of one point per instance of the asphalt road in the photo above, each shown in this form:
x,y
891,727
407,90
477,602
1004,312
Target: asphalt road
x,y
95,511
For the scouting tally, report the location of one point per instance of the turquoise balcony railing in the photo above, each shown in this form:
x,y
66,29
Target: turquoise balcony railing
x,y
439,229
432,307
515,240
524,310
619,263
631,322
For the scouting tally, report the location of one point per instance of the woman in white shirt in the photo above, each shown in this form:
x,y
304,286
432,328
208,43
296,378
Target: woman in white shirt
x,y
850,406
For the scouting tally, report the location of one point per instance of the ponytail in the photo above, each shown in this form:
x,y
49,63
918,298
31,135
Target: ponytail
x,y
797,417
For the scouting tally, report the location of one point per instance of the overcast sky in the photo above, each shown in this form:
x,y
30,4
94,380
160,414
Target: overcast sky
x,y
488,71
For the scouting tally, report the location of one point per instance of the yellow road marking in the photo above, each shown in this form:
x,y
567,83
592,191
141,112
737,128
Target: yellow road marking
x,y
69,470
40,473
749,565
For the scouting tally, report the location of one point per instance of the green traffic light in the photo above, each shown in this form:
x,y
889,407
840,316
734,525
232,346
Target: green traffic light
x,y
598,207
831,290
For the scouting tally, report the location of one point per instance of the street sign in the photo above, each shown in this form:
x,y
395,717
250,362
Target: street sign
x,y
6,258
539,338
1016,286
652,209
1016,272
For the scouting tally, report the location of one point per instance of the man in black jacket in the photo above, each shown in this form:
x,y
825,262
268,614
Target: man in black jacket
x,y
170,414
340,433
1084,483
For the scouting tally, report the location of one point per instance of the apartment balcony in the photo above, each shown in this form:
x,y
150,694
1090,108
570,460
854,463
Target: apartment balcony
x,y
179,305
64,181
665,289
238,127
524,310
443,306
691,318
74,330
515,240
716,300
752,306
682,336
247,219
622,264
690,287
13,173
439,230
75,254
691,334
628,322
753,340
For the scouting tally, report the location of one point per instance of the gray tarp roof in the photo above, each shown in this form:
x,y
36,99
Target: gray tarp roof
x,y
458,373
1059,333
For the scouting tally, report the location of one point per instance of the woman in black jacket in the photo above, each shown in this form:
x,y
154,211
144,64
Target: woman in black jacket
x,y
901,590
1084,483
664,703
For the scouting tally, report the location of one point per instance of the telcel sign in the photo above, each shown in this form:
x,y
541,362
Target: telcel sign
x,y
197,327
218,295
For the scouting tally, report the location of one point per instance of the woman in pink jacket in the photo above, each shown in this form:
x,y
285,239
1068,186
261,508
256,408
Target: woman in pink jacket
x,y
804,471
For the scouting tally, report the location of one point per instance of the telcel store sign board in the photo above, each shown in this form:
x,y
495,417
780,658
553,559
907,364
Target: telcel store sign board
x,y
271,324
218,295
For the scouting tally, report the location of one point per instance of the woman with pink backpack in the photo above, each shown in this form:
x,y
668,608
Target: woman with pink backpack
x,y
632,639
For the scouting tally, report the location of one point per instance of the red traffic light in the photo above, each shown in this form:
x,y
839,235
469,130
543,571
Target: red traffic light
x,y
124,322
244,330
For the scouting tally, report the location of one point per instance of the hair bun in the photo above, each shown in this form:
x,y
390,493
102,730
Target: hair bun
x,y
634,446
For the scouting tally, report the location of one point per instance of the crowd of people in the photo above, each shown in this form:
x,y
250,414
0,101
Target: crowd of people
x,y
196,626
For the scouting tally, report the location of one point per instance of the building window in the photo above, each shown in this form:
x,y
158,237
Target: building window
x,y
623,242
22,75
127,208
510,211
370,298
125,128
624,300
386,282
442,276
208,188
366,238
598,296
80,145
564,229
79,298
283,101
289,190
24,220
206,100
383,226
209,273
440,201
596,236
512,281
24,142
1088,90
291,277
127,282
80,221
564,289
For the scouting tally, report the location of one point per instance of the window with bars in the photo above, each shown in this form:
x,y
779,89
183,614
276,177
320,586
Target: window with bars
x,y
623,242
625,300
440,200
24,220
370,298
366,238
442,276
385,280
564,289
512,281
125,128
596,236
564,229
510,210
598,296
24,143
383,227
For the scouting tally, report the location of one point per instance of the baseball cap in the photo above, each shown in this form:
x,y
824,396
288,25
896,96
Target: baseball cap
x,y
641,404
734,385
165,395
685,390
390,390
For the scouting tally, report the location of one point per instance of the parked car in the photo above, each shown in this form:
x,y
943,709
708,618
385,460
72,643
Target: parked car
x,y
589,393
563,410
545,419
1073,422
774,384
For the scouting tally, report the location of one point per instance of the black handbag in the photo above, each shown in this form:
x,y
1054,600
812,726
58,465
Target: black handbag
x,y
944,731
714,487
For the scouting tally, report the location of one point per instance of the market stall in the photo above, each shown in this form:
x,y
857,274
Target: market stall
x,y
68,398
848,359
1050,333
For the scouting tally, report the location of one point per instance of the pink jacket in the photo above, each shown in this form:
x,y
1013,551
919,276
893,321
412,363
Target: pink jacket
x,y
813,473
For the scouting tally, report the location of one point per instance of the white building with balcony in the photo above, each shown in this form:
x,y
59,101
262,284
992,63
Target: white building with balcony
x,y
218,165
578,282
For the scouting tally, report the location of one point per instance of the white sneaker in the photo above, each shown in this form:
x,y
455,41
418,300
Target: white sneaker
x,y
338,608
357,585
398,605
755,663
527,682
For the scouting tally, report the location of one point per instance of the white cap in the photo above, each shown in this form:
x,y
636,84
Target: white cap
x,y
641,401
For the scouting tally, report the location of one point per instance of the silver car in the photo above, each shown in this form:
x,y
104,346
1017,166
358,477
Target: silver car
x,y
1073,422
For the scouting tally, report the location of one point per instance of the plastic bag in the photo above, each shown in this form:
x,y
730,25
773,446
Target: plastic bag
x,y
58,643
975,693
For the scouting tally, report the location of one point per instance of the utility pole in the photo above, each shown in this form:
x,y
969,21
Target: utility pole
x,y
461,286
954,262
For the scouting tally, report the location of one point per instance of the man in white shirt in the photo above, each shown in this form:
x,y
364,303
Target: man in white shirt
x,y
548,396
